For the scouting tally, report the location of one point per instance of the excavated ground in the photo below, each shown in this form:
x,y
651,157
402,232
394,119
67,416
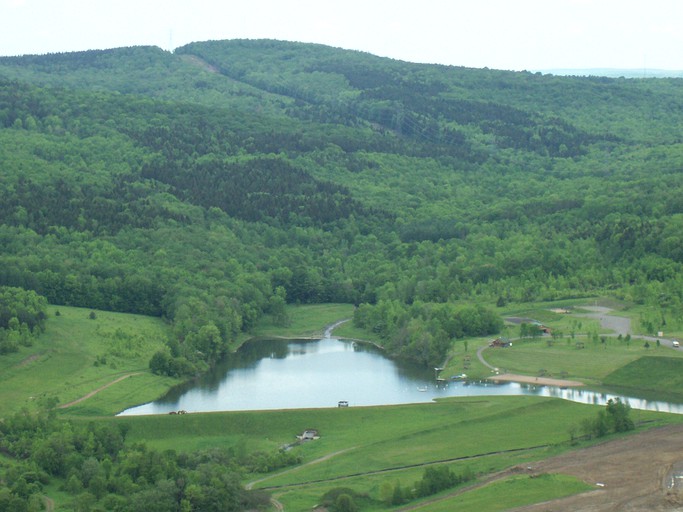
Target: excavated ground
x,y
641,472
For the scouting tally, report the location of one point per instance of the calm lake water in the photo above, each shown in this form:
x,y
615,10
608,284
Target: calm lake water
x,y
281,374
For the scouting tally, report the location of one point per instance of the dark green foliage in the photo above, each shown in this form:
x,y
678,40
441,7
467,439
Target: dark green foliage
x,y
213,185
615,418
343,499
620,414
22,317
424,331
439,478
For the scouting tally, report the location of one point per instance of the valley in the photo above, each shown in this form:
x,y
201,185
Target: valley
x,y
159,210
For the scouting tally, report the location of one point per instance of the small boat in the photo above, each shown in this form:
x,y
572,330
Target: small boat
x,y
423,389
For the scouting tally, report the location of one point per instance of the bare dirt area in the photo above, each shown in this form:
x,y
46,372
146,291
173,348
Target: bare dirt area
x,y
630,474
542,381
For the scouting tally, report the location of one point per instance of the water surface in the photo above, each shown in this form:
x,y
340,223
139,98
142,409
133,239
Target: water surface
x,y
281,374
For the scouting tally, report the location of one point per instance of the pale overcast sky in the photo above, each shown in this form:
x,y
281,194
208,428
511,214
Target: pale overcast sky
x,y
501,34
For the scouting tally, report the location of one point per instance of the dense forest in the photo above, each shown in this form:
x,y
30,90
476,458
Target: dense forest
x,y
215,184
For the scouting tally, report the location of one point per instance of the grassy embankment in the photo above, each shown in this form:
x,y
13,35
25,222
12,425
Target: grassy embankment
x,y
369,449
511,492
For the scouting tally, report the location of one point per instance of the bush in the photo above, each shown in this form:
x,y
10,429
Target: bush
x,y
341,499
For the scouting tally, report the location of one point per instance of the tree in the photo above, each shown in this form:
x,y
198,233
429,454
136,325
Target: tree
x,y
345,503
620,414
159,363
278,307
399,496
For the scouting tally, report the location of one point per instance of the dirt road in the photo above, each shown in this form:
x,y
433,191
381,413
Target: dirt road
x,y
618,324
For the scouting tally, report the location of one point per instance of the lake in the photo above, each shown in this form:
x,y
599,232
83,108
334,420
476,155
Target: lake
x,y
299,374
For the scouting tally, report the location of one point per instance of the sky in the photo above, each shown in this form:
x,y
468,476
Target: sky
x,y
531,35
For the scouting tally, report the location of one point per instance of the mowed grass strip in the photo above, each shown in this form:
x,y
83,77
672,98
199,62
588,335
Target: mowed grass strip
x,y
78,354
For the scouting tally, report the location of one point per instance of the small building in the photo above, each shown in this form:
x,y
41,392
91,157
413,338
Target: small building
x,y
501,342
308,435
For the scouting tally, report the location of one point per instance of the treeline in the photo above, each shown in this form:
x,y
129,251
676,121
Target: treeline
x,y
424,332
22,317
99,471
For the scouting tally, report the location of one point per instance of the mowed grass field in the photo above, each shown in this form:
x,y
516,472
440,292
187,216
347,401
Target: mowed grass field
x,y
78,354
512,492
368,449
562,359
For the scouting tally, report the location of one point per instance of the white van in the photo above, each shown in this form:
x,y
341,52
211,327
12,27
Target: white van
x,y
675,344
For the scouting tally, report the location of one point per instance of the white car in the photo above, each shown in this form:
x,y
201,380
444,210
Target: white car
x,y
675,344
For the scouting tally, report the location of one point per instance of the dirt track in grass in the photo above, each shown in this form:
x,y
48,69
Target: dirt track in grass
x,y
95,391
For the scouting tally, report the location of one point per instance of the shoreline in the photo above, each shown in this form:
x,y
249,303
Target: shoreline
x,y
526,379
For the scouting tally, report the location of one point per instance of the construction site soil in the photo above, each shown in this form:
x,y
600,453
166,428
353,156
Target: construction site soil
x,y
641,472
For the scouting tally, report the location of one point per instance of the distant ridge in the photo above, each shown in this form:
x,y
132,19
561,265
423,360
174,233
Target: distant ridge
x,y
615,72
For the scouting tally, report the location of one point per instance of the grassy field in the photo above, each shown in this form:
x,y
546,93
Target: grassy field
x,y
591,364
513,492
367,449
78,354
305,321
660,374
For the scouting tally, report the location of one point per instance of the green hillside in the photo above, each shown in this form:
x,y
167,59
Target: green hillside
x,y
213,184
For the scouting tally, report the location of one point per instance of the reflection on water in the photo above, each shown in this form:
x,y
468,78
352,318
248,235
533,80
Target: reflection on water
x,y
295,374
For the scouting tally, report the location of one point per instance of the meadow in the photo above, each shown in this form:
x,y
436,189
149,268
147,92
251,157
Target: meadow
x,y
81,351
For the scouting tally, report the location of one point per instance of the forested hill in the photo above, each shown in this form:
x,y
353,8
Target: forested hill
x,y
213,184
